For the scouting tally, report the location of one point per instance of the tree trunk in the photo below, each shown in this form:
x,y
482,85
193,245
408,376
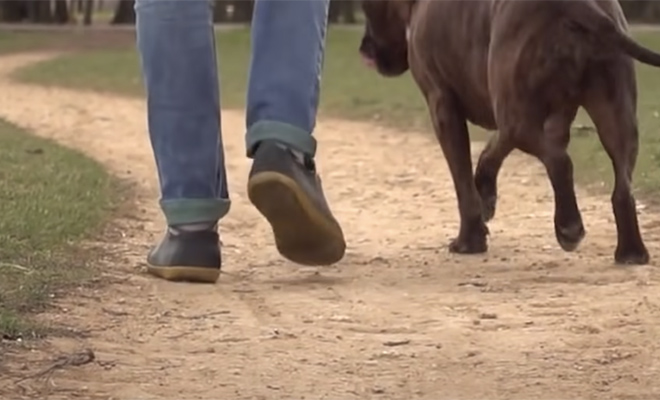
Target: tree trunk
x,y
220,13
62,15
88,11
348,11
342,11
39,11
125,13
13,10
333,12
243,11
641,10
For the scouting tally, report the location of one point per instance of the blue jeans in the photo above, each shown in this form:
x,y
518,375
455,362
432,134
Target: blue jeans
x,y
177,50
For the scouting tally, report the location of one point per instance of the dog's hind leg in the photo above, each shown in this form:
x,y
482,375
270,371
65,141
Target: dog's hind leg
x,y
452,133
569,228
488,167
547,138
610,101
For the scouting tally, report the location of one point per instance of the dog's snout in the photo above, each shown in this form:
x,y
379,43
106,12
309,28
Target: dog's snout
x,y
367,47
367,53
384,54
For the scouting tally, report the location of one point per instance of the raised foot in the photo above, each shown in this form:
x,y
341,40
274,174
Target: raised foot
x,y
570,237
632,255
488,205
287,191
487,190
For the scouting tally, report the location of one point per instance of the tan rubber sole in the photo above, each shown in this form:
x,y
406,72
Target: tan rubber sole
x,y
303,234
185,274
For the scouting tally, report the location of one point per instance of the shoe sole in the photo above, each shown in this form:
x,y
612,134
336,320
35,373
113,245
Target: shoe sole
x,y
302,233
185,274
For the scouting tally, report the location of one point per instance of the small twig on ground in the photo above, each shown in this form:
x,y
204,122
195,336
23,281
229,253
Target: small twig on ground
x,y
473,283
239,290
205,315
16,266
72,360
114,313
179,335
393,343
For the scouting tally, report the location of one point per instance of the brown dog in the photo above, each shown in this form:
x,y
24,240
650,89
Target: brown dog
x,y
523,68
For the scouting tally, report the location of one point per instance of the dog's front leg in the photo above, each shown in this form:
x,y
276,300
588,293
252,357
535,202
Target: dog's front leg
x,y
452,133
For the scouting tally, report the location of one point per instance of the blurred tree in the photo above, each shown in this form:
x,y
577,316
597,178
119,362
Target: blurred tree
x,y
88,11
242,11
62,14
344,9
39,11
221,11
233,11
13,10
125,13
641,10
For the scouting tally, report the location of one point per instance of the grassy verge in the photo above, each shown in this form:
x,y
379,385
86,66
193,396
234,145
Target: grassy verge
x,y
352,91
11,42
62,40
358,94
50,197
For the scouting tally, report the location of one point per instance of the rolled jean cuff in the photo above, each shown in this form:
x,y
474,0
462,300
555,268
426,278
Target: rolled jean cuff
x,y
287,134
193,211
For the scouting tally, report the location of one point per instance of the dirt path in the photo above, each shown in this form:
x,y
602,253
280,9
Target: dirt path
x,y
399,318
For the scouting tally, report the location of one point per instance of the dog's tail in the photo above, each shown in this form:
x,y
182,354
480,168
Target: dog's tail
x,y
632,48
608,35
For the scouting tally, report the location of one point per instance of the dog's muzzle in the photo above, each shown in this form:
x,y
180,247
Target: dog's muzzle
x,y
368,52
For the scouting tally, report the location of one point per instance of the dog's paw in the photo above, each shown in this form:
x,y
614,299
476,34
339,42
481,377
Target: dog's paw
x,y
474,244
632,255
570,237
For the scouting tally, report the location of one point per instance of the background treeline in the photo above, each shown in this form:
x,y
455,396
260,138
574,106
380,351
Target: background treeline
x,y
121,11
226,11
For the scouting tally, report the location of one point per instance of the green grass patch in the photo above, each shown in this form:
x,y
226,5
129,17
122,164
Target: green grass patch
x,y
12,42
62,40
349,90
50,197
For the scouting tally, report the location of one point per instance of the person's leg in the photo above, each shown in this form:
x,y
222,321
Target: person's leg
x,y
288,38
177,50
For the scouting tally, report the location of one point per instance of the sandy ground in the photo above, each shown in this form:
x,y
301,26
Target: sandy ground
x,y
398,318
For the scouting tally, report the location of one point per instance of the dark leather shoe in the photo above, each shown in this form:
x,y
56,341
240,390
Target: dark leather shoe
x,y
286,189
192,256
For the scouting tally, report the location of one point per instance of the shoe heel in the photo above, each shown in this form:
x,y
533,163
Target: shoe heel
x,y
185,274
303,234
